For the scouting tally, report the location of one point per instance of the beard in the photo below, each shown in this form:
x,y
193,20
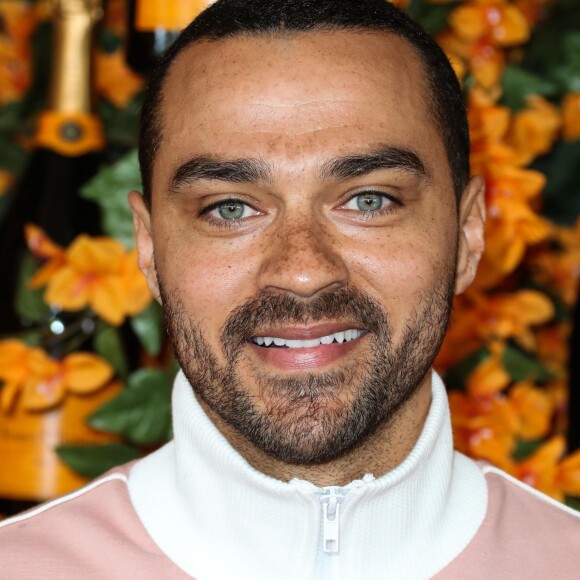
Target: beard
x,y
311,417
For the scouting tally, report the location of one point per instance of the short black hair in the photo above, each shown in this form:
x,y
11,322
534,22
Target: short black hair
x,y
230,18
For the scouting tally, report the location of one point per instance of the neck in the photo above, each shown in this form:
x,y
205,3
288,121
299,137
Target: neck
x,y
378,453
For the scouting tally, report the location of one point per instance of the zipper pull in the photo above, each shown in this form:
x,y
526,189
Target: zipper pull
x,y
331,501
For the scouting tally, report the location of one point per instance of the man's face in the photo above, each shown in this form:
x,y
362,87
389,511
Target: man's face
x,y
304,236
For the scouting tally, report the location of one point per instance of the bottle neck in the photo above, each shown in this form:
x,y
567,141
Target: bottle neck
x,y
70,88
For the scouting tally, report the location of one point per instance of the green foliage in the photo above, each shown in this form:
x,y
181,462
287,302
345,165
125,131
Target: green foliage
x,y
433,17
109,344
121,125
30,304
456,376
148,326
93,460
562,191
142,410
521,366
12,157
109,189
517,84
526,448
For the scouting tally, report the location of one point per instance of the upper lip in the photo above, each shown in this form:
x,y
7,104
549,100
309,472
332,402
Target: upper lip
x,y
306,332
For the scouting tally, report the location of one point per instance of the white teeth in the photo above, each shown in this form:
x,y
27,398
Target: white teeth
x,y
340,337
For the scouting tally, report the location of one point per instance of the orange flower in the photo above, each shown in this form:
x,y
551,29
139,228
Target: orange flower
x,y
6,181
14,369
17,23
552,347
568,475
502,316
533,10
484,428
481,57
540,470
535,129
571,116
114,79
556,264
489,377
43,381
535,409
502,23
95,272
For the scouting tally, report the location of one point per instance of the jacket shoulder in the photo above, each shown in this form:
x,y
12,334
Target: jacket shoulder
x,y
525,534
93,532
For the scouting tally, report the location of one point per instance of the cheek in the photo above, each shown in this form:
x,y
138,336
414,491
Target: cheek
x,y
212,279
401,270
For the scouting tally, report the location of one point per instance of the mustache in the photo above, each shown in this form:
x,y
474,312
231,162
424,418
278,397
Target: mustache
x,y
267,309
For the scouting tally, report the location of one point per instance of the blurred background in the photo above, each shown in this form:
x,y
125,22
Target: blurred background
x,y
85,369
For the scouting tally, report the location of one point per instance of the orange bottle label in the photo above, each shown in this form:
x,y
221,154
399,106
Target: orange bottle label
x,y
31,469
168,14
70,134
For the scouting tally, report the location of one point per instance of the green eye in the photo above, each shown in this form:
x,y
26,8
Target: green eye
x,y
370,201
231,210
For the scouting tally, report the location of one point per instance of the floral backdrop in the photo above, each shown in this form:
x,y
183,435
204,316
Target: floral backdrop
x,y
505,358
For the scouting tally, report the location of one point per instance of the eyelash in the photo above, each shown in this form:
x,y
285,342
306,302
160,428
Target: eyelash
x,y
366,216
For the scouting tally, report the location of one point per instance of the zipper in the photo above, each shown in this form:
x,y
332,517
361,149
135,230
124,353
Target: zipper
x,y
330,501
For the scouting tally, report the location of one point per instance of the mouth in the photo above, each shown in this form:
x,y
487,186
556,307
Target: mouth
x,y
335,338
306,349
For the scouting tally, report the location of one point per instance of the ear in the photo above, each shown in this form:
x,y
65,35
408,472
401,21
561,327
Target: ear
x,y
144,239
471,233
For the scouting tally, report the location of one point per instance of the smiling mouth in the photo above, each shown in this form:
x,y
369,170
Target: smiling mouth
x,y
335,338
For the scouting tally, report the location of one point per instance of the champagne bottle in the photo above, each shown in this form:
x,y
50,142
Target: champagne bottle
x,y
153,25
68,141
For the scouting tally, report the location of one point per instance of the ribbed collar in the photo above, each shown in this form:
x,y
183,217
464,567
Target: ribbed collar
x,y
217,517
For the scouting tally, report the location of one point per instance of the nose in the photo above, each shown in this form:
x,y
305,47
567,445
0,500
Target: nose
x,y
303,259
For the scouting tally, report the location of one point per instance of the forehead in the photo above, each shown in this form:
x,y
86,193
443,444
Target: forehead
x,y
296,95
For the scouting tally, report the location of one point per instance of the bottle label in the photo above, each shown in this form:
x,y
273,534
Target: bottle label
x,y
70,134
28,440
168,14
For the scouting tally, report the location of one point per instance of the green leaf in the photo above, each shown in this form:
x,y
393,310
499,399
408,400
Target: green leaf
x,y
518,83
148,326
93,460
141,412
109,40
432,17
29,303
121,125
567,72
521,366
561,197
526,448
573,502
109,189
456,376
12,157
108,344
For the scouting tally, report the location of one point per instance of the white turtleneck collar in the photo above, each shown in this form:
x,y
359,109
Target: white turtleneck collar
x,y
217,517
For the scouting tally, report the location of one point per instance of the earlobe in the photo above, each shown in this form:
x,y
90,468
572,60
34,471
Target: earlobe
x,y
144,240
471,233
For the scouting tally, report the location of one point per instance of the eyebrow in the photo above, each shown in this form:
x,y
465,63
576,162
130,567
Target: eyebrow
x,y
384,158
253,170
214,169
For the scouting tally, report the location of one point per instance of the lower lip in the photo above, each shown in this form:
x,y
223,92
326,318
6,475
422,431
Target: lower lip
x,y
304,359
